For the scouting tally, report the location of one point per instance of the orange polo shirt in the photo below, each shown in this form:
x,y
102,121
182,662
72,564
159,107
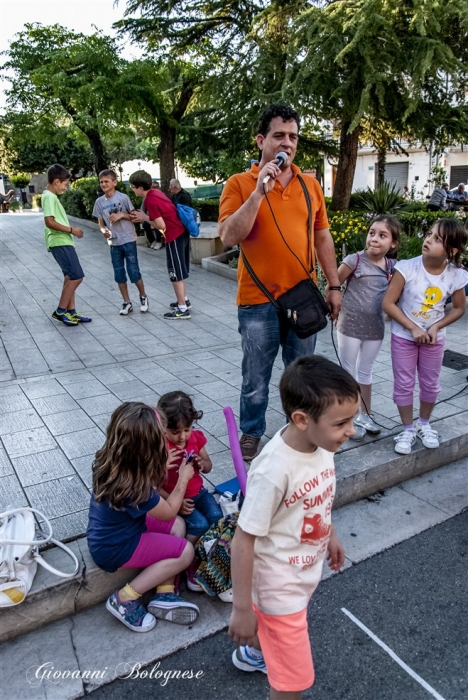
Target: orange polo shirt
x,y
267,253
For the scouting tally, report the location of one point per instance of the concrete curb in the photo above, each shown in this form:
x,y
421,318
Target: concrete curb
x,y
375,466
361,472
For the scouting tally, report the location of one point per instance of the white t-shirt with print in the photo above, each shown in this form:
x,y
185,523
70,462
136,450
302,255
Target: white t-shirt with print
x,y
288,509
423,297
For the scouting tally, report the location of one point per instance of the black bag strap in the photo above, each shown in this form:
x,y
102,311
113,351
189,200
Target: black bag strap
x,y
310,239
309,224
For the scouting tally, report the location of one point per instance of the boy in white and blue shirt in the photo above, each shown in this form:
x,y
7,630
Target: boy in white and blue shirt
x,y
112,211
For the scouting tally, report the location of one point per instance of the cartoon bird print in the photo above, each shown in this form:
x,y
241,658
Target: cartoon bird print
x,y
432,296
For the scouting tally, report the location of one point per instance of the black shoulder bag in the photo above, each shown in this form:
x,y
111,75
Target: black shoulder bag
x,y
303,306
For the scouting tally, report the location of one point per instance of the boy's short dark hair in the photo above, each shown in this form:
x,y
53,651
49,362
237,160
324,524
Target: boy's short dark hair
x,y
108,173
313,383
286,113
141,179
57,172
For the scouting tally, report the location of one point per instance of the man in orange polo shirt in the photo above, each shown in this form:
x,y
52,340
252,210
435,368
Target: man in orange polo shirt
x,y
245,217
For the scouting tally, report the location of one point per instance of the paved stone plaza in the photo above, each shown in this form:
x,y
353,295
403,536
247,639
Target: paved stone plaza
x,y
59,385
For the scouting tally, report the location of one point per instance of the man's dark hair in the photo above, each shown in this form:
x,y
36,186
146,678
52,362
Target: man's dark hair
x,y
57,172
108,173
141,178
313,383
286,113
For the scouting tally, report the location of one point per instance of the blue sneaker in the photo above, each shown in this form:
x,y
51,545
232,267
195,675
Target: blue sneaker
x,y
131,613
244,661
65,318
81,319
173,608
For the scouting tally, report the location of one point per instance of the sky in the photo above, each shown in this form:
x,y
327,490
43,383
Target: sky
x,y
78,15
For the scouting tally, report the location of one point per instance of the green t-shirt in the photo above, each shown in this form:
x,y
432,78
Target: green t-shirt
x,y
51,206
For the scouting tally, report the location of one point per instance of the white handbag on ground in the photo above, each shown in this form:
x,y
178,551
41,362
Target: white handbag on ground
x,y
229,502
19,554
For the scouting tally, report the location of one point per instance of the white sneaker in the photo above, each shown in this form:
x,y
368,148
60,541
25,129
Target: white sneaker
x,y
126,308
144,306
153,245
244,661
226,596
404,441
428,436
157,245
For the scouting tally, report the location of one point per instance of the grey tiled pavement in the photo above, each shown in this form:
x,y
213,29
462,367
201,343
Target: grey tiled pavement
x,y
59,386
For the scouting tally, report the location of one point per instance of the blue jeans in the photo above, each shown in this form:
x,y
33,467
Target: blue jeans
x,y
206,513
263,331
125,254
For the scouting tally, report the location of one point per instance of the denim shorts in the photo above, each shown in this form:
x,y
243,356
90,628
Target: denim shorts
x,y
67,258
207,512
122,256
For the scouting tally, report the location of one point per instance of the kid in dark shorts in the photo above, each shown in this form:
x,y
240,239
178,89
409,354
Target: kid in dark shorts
x,y
163,214
59,240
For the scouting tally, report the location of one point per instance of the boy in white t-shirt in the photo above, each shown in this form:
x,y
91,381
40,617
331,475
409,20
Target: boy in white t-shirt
x,y
284,530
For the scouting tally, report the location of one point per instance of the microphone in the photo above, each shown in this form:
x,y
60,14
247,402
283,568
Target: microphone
x,y
281,157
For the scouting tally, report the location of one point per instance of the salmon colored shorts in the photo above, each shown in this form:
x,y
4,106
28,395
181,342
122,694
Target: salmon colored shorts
x,y
286,649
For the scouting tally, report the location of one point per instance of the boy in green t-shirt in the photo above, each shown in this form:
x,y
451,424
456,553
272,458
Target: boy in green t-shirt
x,y
59,241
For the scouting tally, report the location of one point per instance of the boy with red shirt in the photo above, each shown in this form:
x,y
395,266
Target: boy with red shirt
x,y
163,214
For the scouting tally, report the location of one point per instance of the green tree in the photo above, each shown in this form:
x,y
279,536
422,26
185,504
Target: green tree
x,y
239,55
62,75
32,146
160,95
376,59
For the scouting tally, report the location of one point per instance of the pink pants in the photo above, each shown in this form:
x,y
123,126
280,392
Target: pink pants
x,y
407,357
156,544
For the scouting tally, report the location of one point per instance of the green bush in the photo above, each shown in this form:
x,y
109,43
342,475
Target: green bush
x,y
89,189
15,206
20,180
348,229
410,247
73,203
37,201
207,208
421,221
355,201
385,199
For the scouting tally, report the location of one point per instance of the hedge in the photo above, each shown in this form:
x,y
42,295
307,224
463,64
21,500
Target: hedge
x,y
207,208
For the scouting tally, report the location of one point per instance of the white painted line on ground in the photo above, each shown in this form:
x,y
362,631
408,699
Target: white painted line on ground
x,y
396,658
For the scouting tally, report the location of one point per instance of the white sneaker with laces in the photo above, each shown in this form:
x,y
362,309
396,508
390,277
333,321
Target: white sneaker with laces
x,y
144,306
428,436
157,245
126,308
404,441
244,661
